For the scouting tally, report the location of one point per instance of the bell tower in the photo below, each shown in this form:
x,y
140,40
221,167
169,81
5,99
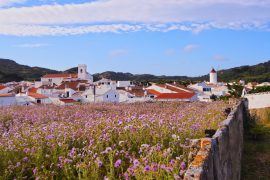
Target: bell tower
x,y
82,71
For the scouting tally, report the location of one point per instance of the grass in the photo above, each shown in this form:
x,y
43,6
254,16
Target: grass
x,y
256,157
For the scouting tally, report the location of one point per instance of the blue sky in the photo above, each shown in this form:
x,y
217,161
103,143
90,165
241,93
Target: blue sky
x,y
173,37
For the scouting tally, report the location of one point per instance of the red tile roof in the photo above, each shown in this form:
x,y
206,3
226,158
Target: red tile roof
x,y
2,87
137,91
176,88
182,87
152,91
175,96
7,95
37,96
33,90
60,76
68,100
213,71
75,85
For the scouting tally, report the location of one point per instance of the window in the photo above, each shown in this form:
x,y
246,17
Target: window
x,y
207,89
115,95
107,96
38,101
81,70
86,96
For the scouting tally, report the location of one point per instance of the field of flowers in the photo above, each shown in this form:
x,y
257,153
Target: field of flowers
x,y
102,141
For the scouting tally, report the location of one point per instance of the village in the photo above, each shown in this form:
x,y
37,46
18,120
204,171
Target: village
x,y
68,89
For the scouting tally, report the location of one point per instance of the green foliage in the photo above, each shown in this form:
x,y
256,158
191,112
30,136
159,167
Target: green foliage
x,y
213,97
224,98
260,89
235,90
256,159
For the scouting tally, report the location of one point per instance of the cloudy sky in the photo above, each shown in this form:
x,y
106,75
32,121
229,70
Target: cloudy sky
x,y
171,37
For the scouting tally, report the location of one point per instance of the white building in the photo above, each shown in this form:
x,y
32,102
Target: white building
x,y
213,76
206,90
7,100
121,84
35,98
57,79
172,92
4,89
133,94
83,74
263,84
103,93
202,87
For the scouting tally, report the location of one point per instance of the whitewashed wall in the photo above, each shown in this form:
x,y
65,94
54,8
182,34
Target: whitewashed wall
x,y
259,100
56,81
7,101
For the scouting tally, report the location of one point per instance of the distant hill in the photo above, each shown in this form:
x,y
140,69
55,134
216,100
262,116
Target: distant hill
x,y
120,76
12,71
259,72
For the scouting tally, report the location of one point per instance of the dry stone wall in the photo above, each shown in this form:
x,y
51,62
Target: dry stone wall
x,y
219,157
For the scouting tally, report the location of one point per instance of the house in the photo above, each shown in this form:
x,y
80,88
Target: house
x,y
171,92
35,98
133,94
7,99
102,93
105,81
46,90
39,98
202,87
251,85
123,84
67,102
57,79
4,89
69,88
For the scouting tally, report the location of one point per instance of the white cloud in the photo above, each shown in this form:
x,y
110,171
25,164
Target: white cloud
x,y
190,47
32,45
10,2
133,15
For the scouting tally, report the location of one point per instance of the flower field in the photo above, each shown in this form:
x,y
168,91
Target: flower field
x,y
102,141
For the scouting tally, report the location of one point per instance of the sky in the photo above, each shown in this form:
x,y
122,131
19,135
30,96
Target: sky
x,y
161,37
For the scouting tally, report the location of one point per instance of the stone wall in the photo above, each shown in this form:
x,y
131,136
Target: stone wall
x,y
258,100
219,157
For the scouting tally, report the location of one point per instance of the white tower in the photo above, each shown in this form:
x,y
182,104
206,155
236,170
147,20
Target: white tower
x,y
213,76
82,71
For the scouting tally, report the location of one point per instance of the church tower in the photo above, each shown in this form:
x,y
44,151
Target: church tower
x,y
213,76
82,71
